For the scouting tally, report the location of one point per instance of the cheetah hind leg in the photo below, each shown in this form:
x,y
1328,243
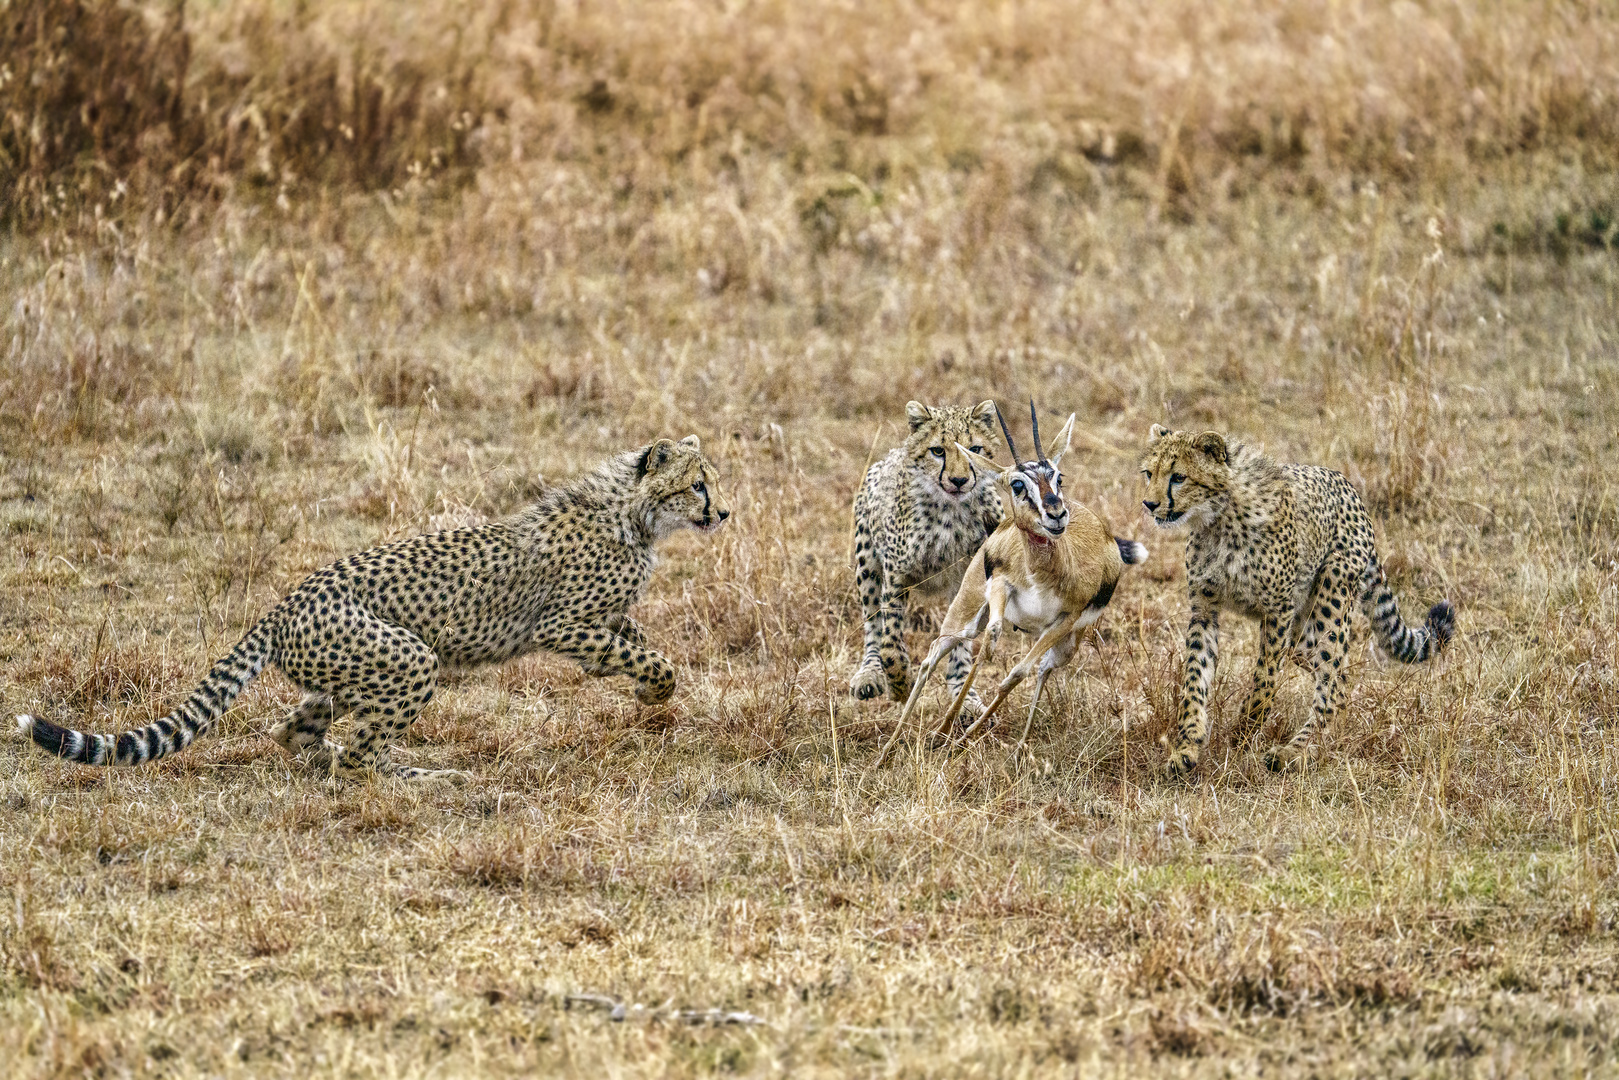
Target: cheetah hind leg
x,y
374,731
959,675
305,726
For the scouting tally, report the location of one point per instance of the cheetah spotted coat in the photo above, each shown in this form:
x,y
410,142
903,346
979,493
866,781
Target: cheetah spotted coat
x,y
369,634
1290,545
920,515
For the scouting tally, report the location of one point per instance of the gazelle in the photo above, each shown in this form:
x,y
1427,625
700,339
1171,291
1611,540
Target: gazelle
x,y
1045,569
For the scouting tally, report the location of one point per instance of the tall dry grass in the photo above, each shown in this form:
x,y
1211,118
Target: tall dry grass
x,y
284,281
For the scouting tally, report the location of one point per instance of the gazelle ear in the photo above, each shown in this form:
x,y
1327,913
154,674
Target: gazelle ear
x,y
1064,440
1158,432
979,461
691,441
917,413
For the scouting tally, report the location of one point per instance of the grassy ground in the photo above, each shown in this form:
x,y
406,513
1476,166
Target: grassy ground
x,y
208,391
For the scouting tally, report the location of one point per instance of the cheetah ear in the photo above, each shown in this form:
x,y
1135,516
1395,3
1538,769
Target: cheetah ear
x,y
691,441
653,458
917,413
1211,443
984,413
1158,432
1064,440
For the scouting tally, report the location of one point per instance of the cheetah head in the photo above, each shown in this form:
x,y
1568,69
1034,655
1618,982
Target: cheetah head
x,y
931,446
682,487
1182,472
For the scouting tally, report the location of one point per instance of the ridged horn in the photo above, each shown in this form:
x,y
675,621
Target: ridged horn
x,y
1007,432
1034,421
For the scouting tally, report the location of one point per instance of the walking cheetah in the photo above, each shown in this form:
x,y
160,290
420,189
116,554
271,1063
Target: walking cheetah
x,y
1290,545
920,515
368,633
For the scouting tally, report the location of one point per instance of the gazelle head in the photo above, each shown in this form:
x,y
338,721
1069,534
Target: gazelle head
x,y
1031,491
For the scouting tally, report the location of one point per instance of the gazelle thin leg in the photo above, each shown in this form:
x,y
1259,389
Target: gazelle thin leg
x,y
1011,680
1039,685
1058,655
941,648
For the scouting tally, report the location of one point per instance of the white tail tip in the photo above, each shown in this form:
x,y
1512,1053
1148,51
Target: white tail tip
x,y
25,724
1133,551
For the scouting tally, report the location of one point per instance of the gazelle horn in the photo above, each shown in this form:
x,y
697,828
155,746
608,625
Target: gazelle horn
x,y
1034,422
1005,431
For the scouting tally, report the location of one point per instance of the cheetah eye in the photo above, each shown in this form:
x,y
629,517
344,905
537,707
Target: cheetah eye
x,y
1176,478
699,487
976,449
1147,473
936,451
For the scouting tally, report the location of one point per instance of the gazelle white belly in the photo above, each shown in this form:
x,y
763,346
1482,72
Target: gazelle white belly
x,y
1032,610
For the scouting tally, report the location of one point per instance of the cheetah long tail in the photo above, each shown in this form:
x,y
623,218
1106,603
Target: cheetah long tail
x,y
1407,644
173,732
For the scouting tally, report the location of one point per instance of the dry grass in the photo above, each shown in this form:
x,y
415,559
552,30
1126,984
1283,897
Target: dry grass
x,y
239,341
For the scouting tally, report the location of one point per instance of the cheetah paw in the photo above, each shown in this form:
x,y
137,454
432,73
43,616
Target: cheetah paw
x,y
1180,764
869,683
654,695
1280,758
971,710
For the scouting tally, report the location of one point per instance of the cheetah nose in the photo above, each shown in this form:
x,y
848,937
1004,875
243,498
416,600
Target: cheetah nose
x,y
959,481
1151,506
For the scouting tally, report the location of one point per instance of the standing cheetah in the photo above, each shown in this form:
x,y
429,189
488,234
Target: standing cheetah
x,y
1290,545
369,633
920,515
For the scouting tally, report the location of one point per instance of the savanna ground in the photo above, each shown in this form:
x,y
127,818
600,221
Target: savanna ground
x,y
281,283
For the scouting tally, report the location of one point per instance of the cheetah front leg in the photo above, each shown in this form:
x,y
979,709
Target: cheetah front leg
x,y
1267,669
602,653
1326,644
870,680
1202,652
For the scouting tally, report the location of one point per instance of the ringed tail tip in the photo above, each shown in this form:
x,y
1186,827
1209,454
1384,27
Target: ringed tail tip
x,y
1132,551
1442,622
25,724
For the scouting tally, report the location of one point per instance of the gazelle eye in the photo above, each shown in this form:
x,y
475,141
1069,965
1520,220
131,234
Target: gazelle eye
x,y
976,449
1176,478
1017,487
936,451
699,487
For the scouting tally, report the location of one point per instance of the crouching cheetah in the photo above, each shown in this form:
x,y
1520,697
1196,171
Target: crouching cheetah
x,y
369,633
919,516
1290,545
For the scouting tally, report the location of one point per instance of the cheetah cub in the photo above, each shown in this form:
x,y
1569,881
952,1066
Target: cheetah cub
x,y
920,515
367,635
1290,545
